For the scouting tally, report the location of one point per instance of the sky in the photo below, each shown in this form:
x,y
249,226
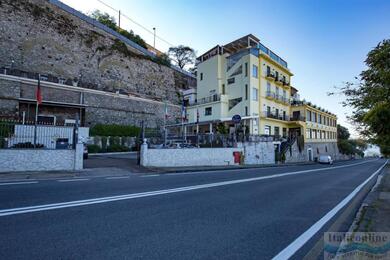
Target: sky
x,y
324,42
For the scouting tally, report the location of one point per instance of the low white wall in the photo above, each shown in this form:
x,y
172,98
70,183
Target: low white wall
x,y
259,153
187,157
12,160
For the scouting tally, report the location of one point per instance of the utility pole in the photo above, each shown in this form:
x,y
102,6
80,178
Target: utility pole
x,y
119,19
154,38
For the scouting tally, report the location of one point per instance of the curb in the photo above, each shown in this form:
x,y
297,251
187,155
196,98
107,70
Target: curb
x,y
114,153
263,166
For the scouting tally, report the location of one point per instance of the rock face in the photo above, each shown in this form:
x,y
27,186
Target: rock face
x,y
37,36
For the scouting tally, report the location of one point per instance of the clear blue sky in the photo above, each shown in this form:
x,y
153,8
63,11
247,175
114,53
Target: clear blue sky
x,y
324,42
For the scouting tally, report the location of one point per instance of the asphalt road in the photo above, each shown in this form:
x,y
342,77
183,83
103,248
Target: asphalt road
x,y
239,214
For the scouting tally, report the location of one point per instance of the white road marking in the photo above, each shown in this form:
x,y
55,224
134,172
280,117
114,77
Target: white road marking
x,y
23,210
291,249
150,175
116,178
17,183
70,180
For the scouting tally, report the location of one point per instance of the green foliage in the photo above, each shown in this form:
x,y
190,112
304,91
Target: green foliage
x,y
342,132
110,22
117,148
163,59
114,140
132,37
115,130
182,55
104,18
221,128
370,97
93,148
121,47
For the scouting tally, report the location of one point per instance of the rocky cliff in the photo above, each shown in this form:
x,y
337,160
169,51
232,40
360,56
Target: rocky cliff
x,y
37,36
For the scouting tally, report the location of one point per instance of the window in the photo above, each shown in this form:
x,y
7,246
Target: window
x,y
267,130
268,110
268,71
308,115
307,133
246,69
208,111
284,132
277,91
314,117
255,94
284,115
277,130
246,92
276,75
223,89
230,81
255,71
277,112
284,94
311,133
319,119
268,87
201,76
246,111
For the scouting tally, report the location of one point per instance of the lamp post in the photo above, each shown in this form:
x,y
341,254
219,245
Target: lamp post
x,y
154,37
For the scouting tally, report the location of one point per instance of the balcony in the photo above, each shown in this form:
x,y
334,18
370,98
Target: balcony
x,y
275,116
270,75
298,118
270,94
205,100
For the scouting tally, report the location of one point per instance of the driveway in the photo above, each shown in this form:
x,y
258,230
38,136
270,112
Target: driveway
x,y
125,160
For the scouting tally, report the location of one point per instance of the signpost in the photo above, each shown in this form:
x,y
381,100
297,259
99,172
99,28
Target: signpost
x,y
236,120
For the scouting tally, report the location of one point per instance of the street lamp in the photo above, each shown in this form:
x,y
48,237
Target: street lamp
x,y
154,38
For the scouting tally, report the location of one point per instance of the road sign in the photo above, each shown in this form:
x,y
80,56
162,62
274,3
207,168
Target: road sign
x,y
236,119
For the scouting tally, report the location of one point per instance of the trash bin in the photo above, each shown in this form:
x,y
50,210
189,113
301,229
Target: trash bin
x,y
62,143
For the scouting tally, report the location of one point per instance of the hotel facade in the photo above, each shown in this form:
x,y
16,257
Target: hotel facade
x,y
248,79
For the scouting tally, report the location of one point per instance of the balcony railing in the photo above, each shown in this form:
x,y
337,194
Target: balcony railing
x,y
298,118
276,116
205,100
270,94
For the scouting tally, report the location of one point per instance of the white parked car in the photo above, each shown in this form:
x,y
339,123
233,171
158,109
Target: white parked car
x,y
325,159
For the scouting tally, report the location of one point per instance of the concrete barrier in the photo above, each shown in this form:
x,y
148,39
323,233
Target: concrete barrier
x,y
187,157
12,160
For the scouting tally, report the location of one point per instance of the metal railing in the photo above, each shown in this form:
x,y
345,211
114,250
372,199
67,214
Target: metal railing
x,y
16,134
205,100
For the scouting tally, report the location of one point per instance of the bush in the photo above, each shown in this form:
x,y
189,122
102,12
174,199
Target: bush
x,y
93,148
117,148
115,130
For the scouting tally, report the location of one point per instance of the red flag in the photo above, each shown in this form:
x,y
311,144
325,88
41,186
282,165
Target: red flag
x,y
38,93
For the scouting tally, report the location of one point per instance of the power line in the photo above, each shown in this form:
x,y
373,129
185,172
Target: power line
x,y
135,22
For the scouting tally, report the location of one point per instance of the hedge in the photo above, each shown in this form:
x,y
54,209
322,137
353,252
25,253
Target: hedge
x,y
115,130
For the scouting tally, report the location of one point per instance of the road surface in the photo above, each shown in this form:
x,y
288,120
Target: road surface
x,y
238,214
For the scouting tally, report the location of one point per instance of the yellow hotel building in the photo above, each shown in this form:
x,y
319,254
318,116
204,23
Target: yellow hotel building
x,y
248,79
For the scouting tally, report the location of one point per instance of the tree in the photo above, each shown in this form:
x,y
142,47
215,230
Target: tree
x,y
105,19
182,55
370,97
342,132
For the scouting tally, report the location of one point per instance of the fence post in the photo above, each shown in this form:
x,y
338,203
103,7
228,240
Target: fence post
x,y
76,132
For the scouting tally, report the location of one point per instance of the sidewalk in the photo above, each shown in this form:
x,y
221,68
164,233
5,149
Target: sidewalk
x,y
374,214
